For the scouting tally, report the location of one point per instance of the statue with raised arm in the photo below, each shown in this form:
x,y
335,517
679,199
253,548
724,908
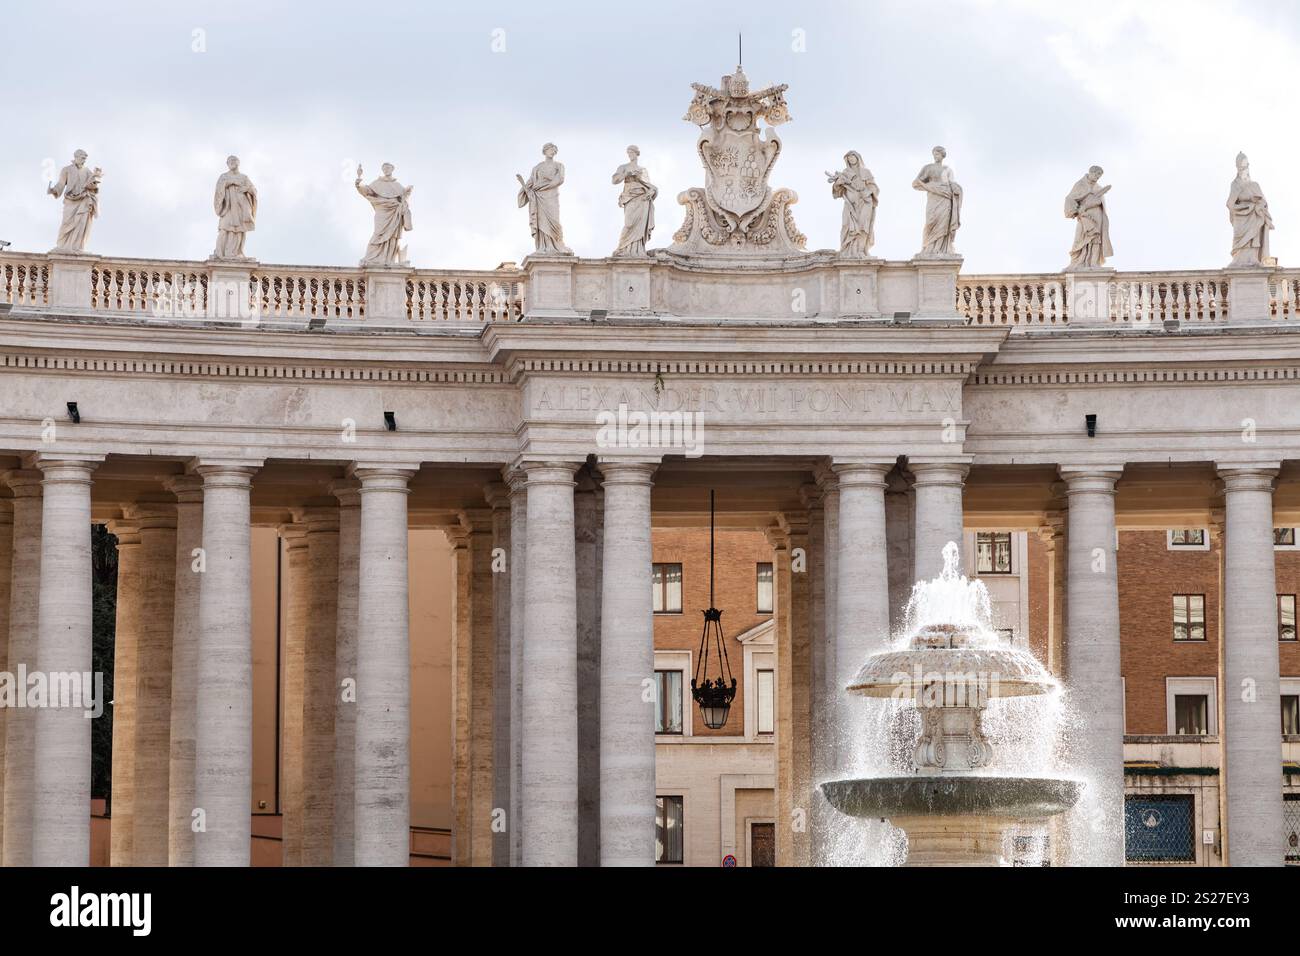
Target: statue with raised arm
x,y
79,188
857,187
391,201
942,207
638,202
1086,205
540,192
235,203
1248,213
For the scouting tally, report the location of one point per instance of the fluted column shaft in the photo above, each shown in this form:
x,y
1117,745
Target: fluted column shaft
x,y
188,490
223,745
1252,717
627,731
62,815
348,493
938,490
382,792
20,723
550,753
1092,658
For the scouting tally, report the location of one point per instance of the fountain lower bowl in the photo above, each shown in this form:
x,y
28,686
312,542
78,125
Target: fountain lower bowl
x,y
964,795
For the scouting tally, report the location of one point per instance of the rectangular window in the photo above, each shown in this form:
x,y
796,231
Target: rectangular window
x,y
1160,828
765,602
1192,714
1291,827
1286,617
668,830
668,702
993,552
668,589
1291,714
1284,537
766,702
762,844
1187,538
1189,617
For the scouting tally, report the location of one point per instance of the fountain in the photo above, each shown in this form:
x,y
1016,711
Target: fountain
x,y
956,807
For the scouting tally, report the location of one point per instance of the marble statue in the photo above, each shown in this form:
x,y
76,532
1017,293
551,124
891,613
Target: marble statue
x,y
1086,205
235,203
391,201
942,207
856,186
79,188
1248,213
737,213
638,202
540,192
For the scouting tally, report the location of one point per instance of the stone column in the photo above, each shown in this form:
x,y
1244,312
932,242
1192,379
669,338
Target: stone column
x,y
938,487
549,789
322,524
862,592
1053,535
153,683
800,690
627,660
518,483
188,490
126,642
482,693
383,769
900,523
498,499
823,665
783,622
6,583
20,723
587,557
1092,658
62,814
293,548
223,738
348,493
1252,717
462,622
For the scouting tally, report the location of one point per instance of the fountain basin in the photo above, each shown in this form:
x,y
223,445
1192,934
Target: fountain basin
x,y
950,672
967,795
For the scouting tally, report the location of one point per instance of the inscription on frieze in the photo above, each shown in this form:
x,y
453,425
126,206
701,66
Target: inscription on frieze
x,y
722,401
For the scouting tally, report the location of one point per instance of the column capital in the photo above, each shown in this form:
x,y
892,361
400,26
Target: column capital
x,y
861,473
515,480
497,495
6,511
1090,479
188,489
317,518
347,491
150,515
627,472
67,469
383,477
23,482
228,473
551,472
1247,477
938,472
125,530
810,493
294,535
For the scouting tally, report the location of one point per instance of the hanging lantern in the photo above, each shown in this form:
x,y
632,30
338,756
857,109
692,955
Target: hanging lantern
x,y
713,694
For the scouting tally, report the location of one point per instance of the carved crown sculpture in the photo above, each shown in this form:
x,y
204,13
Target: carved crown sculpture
x,y
737,213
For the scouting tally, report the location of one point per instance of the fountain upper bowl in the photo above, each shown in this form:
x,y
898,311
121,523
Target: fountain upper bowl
x,y
956,795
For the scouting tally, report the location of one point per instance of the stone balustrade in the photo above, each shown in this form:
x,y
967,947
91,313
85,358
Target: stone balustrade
x,y
174,290
288,295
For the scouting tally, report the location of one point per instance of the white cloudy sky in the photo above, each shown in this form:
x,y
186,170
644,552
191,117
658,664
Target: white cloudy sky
x,y
1025,95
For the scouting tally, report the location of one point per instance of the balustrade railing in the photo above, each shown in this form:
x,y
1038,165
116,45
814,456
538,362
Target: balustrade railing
x,y
24,280
1121,299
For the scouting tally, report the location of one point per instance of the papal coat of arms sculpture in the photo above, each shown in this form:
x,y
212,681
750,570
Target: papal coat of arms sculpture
x,y
737,212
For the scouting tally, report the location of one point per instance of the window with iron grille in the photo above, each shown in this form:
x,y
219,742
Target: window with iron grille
x,y
764,604
667,583
668,830
1159,828
1187,538
1189,617
993,552
1291,827
1286,617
